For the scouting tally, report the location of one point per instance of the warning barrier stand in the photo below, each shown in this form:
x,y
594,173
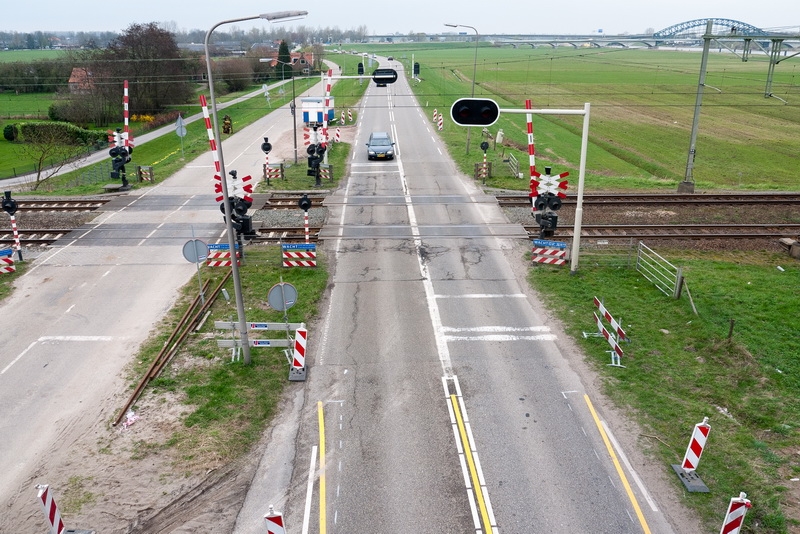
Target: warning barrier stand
x,y
734,517
274,522
50,509
616,351
299,255
549,252
686,471
297,368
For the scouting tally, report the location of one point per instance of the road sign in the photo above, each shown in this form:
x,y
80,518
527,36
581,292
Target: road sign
x,y
547,243
180,127
282,296
195,251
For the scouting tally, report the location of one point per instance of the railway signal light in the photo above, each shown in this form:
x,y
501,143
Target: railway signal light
x,y
304,203
266,146
416,69
475,111
360,69
9,204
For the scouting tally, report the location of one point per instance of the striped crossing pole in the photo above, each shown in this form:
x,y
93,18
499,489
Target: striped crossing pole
x,y
734,517
532,157
305,224
349,115
325,111
696,445
16,236
50,509
126,131
212,143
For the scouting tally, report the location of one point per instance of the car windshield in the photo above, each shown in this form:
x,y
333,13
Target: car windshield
x,y
381,141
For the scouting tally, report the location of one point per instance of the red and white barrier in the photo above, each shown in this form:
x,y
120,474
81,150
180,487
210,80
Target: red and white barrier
x,y
616,351
696,445
221,259
325,109
614,324
7,263
435,116
50,509
274,522
349,115
338,135
342,119
441,122
299,258
127,136
552,256
734,518
300,337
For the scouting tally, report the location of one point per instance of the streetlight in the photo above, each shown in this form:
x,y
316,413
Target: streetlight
x,y
474,65
237,283
294,107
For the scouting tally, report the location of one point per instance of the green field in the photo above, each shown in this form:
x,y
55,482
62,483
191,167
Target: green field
x,y
680,366
642,107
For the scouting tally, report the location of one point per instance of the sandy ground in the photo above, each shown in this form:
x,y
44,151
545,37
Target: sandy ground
x,y
118,480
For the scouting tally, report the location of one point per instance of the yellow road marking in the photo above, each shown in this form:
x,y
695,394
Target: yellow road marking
x,y
473,472
322,510
620,472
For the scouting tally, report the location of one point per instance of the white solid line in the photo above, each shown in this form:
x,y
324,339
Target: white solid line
x,y
483,296
634,476
75,338
498,337
309,489
21,354
496,329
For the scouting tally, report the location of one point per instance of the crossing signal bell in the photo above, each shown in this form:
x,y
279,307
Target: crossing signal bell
x,y
475,111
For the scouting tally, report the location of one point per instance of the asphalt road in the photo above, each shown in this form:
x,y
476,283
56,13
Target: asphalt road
x,y
86,304
438,398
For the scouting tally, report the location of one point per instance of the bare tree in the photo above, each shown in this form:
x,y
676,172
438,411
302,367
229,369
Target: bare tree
x,y
49,151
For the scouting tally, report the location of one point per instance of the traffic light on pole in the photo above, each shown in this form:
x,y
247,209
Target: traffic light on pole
x,y
475,111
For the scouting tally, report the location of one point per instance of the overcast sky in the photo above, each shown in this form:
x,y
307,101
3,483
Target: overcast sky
x,y
382,17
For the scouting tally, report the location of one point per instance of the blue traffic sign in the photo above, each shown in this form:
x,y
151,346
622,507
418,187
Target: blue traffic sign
x,y
547,243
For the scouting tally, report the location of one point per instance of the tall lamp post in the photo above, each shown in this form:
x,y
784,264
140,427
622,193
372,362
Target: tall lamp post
x,y
474,66
293,105
237,283
294,108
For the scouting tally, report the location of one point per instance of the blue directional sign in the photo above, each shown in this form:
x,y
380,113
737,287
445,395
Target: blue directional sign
x,y
298,246
549,244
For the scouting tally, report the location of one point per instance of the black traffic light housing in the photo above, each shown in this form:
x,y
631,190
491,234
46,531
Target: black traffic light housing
x,y
9,204
266,146
304,203
416,69
475,111
381,77
360,69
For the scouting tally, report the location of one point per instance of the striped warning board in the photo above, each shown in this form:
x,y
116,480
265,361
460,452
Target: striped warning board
x,y
299,255
696,445
219,255
734,517
50,509
614,324
549,252
7,261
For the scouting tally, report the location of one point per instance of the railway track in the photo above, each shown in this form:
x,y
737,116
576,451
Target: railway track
x,y
750,199
676,231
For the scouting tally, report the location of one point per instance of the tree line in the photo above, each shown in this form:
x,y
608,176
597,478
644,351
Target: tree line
x,y
88,83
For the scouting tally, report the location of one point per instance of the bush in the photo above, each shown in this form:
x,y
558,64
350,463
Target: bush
x,y
66,133
10,132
